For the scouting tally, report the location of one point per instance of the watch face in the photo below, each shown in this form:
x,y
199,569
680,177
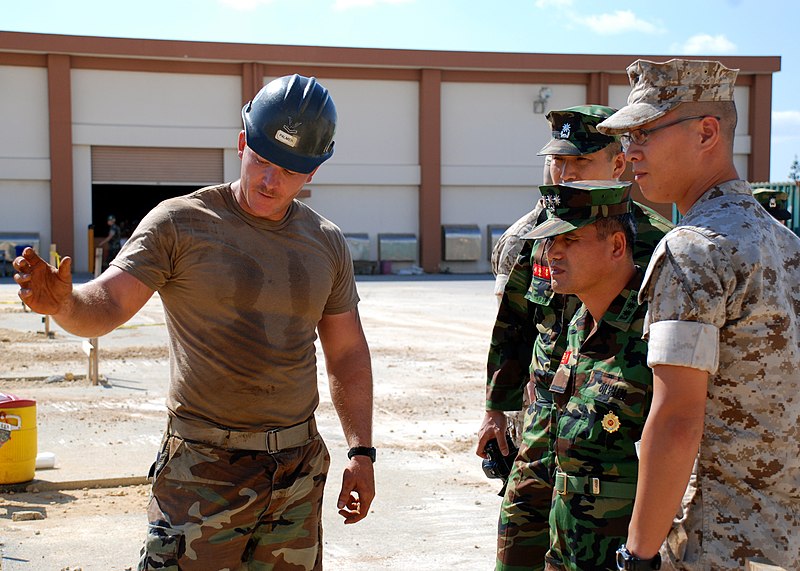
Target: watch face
x,y
620,560
623,557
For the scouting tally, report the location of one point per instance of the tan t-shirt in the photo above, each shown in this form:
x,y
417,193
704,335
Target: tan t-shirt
x,y
242,298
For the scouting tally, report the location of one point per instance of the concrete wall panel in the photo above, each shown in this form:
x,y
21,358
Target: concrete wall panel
x,y
494,124
378,122
155,109
24,146
368,209
31,208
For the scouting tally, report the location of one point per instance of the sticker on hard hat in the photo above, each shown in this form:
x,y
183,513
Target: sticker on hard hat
x,y
286,138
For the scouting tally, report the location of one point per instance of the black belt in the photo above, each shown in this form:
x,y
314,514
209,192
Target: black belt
x,y
271,441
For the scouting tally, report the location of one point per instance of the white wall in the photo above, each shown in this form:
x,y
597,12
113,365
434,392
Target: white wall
x,y
25,152
618,95
24,117
378,121
479,205
490,167
81,204
742,143
149,110
155,109
26,208
374,210
490,137
371,182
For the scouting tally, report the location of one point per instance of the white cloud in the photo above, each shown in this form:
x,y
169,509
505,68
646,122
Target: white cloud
x,y
708,44
348,4
618,22
785,124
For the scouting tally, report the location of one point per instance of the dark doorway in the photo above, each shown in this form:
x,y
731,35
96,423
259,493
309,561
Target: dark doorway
x,y
128,203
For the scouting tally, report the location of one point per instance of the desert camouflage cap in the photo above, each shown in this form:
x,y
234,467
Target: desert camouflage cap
x,y
572,205
575,131
657,88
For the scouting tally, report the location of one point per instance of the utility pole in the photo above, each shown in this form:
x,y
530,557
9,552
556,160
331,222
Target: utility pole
x,y
90,346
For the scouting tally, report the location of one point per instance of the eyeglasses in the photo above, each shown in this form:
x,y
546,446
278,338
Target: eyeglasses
x,y
640,136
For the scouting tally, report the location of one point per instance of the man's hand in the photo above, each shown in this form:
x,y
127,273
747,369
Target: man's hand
x,y
494,425
42,287
358,489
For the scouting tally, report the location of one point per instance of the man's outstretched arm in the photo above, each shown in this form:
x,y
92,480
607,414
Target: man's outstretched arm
x,y
88,310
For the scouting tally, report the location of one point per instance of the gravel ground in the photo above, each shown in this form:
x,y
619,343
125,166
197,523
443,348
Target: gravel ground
x,y
434,509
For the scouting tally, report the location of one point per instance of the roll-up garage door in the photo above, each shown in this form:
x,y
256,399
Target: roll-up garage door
x,y
156,165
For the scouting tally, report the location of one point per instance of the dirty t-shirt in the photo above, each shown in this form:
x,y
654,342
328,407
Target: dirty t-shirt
x,y
723,290
242,298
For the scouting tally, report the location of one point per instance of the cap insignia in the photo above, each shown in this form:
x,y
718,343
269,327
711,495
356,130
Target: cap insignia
x,y
551,201
291,127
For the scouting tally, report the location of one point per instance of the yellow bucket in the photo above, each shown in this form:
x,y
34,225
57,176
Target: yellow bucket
x,y
17,439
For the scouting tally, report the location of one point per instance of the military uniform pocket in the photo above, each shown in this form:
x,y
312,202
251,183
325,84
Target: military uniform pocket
x,y
162,549
163,456
617,393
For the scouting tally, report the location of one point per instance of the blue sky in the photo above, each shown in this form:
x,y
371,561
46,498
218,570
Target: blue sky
x,y
678,27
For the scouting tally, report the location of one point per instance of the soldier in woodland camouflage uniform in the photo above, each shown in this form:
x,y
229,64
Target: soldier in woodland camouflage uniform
x,y
774,202
249,278
529,309
602,387
723,325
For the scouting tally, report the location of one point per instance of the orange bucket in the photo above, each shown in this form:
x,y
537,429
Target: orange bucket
x,y
17,439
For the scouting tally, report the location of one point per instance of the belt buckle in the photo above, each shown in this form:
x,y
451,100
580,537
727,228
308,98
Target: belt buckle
x,y
596,486
272,441
563,489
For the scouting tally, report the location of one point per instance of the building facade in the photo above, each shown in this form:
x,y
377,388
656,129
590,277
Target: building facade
x,y
435,147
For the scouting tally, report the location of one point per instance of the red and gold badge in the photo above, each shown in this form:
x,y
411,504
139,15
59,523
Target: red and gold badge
x,y
610,422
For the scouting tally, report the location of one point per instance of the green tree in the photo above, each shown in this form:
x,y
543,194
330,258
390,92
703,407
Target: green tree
x,y
794,170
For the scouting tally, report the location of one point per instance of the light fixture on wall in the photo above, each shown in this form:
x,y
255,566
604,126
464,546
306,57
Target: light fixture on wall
x,y
540,103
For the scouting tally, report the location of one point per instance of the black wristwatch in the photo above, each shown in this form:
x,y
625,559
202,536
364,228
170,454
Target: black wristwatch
x,y
628,561
362,451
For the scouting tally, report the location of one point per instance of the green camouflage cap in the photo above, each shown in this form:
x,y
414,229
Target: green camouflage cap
x,y
766,195
575,130
773,202
657,88
573,205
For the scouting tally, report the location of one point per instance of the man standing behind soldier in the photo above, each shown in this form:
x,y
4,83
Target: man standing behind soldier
x,y
529,309
602,388
723,325
113,239
248,276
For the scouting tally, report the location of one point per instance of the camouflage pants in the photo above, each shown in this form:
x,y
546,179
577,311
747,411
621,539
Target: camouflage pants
x,y
523,532
586,531
213,509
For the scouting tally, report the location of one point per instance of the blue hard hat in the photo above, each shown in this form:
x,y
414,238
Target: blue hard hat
x,y
291,123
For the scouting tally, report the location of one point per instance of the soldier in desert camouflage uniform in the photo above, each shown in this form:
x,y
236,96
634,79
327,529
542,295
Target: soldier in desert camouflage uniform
x,y
602,387
723,325
528,309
